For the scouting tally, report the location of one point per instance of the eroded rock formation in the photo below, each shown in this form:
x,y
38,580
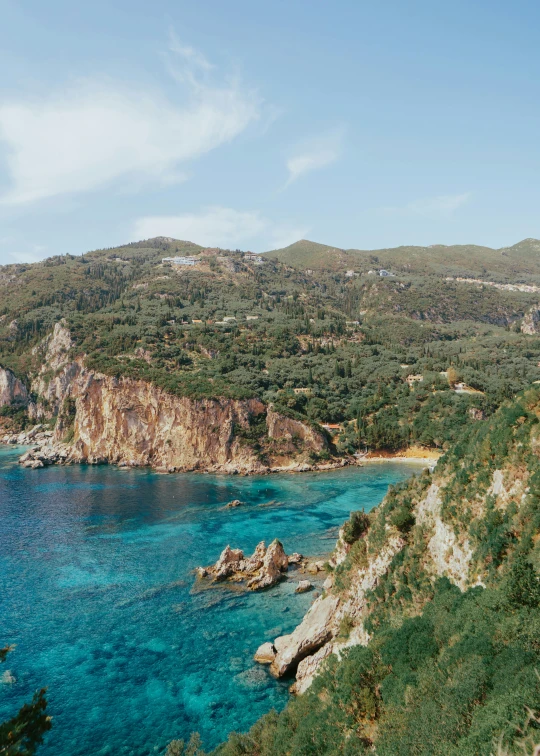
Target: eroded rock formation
x,y
263,569
12,390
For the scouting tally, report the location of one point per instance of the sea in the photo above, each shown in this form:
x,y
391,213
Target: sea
x,y
99,597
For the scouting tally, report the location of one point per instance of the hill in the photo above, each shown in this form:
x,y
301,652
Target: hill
x,y
521,262
381,358
306,254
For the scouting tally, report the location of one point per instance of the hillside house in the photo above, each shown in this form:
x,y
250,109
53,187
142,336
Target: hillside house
x,y
180,260
254,258
332,428
305,391
412,379
385,273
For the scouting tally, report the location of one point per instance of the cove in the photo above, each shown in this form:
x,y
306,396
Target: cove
x,y
97,593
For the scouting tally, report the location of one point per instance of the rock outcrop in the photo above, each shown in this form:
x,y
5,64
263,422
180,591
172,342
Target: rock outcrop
x,y
128,422
263,569
36,435
265,654
12,390
281,427
531,322
313,632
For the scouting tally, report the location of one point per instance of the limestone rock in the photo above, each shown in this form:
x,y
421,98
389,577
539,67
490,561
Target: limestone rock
x,y
265,654
295,558
274,564
233,504
227,563
313,632
303,586
531,322
308,668
263,569
12,390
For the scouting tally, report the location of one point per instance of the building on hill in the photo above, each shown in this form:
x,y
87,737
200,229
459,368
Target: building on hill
x,y
332,428
254,258
352,274
385,273
306,391
412,379
180,260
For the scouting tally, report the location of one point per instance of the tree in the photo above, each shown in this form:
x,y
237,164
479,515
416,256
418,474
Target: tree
x,y
21,735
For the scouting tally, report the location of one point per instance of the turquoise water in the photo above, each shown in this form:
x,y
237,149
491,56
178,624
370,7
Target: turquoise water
x,y
98,595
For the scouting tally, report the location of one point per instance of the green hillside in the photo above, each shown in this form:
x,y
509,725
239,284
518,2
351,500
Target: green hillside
x,y
446,672
349,342
311,255
520,262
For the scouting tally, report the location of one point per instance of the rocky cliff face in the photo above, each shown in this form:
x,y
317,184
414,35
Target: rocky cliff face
x,y
531,322
134,423
458,522
12,390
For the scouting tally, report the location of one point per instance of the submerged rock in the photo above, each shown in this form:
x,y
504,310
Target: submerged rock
x,y
234,503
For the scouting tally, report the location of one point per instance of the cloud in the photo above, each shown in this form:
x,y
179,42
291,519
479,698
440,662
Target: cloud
x,y
219,227
315,154
444,204
99,131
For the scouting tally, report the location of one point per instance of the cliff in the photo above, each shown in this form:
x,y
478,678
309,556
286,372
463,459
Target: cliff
x,y
426,637
128,422
445,524
13,392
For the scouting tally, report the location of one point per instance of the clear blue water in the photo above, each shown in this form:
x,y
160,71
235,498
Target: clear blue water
x,y
97,592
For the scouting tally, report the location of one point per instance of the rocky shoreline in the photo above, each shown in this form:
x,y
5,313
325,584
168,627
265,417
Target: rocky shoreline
x,y
47,451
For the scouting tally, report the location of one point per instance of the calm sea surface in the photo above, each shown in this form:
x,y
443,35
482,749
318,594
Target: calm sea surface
x,y
97,592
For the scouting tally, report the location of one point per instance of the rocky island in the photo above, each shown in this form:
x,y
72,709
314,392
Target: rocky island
x,y
263,569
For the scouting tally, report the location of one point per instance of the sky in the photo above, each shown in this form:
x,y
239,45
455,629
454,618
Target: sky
x,y
252,125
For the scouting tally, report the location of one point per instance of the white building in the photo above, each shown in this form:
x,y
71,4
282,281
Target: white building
x,y
180,260
252,257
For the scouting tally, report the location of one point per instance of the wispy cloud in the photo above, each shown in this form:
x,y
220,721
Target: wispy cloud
x,y
100,131
220,227
314,154
444,204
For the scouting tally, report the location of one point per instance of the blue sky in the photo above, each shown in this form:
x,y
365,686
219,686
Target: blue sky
x,y
251,124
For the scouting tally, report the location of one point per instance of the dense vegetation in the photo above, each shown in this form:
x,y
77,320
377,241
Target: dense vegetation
x,y
445,672
349,340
